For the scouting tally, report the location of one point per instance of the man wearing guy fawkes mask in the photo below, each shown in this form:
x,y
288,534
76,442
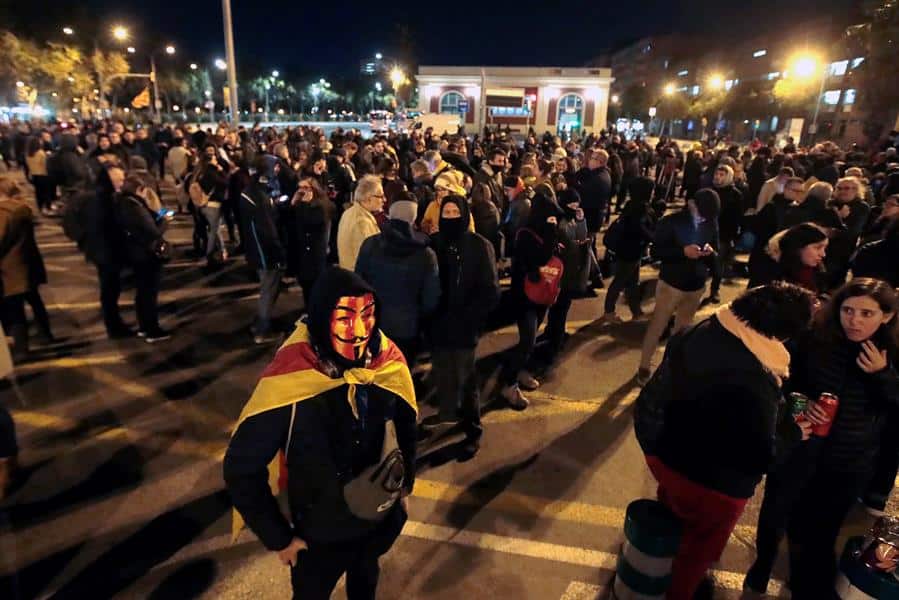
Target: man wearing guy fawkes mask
x,y
323,404
469,291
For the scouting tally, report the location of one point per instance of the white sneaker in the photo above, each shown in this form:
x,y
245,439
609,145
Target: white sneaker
x,y
512,394
527,381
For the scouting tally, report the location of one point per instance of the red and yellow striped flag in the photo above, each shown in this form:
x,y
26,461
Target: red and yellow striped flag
x,y
142,100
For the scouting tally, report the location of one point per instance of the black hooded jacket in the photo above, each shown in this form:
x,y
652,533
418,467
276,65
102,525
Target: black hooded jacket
x,y
328,445
468,283
535,243
402,268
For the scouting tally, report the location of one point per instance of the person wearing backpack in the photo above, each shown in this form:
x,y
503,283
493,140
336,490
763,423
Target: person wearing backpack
x,y
337,402
628,237
536,246
711,421
145,251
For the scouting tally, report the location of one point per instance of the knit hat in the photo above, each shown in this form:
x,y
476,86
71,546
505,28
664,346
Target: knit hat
x,y
707,203
404,210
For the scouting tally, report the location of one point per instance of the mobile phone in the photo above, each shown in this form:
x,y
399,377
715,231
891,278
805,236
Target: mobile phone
x,y
283,198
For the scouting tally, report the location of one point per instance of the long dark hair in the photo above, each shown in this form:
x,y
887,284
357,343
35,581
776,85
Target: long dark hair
x,y
34,144
827,326
793,241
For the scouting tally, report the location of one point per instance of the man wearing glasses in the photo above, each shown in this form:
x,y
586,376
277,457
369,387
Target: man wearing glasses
x,y
358,222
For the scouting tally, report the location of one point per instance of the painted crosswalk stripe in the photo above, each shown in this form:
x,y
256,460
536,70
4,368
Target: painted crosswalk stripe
x,y
578,590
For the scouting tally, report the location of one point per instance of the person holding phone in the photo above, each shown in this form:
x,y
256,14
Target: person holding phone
x,y
851,352
683,242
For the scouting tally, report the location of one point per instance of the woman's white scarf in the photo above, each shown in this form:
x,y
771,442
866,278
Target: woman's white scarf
x,y
769,351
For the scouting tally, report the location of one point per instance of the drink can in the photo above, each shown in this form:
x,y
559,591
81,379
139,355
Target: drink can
x,y
829,403
798,405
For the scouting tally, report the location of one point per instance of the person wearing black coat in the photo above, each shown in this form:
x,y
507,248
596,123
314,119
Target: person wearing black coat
x,y
728,227
633,237
328,437
309,235
795,255
707,455
403,270
535,244
879,259
144,249
68,169
595,187
851,352
692,175
469,291
773,219
263,248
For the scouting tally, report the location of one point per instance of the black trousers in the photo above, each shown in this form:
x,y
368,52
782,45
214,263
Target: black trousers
x,y
8,446
41,318
110,289
14,321
808,502
627,280
320,567
528,322
146,282
44,191
456,382
557,316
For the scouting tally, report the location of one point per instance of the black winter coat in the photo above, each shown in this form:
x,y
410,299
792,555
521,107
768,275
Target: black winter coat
x,y
139,228
328,448
469,289
307,252
819,365
731,213
878,260
259,228
595,187
723,427
673,233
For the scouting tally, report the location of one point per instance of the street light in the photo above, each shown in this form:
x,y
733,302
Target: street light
x,y
169,49
807,66
131,49
220,64
378,86
716,82
120,33
378,56
20,84
397,77
615,98
68,30
276,73
669,89
193,66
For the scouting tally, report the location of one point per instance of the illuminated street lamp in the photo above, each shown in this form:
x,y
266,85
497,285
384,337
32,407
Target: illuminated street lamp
x,y
806,66
169,49
397,77
276,74
120,33
615,98
193,66
68,30
20,84
131,50
716,82
220,64
379,56
669,89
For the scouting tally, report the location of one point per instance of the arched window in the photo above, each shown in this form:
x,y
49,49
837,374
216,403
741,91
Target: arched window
x,y
449,103
570,103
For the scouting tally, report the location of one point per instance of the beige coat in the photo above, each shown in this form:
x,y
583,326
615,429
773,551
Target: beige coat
x,y
356,225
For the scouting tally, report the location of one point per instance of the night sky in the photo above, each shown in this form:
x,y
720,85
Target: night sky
x,y
333,36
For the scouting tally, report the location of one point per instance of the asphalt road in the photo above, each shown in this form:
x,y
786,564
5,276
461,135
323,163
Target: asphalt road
x,y
122,444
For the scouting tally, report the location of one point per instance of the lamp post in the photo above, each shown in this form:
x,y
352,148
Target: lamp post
x,y
805,66
232,62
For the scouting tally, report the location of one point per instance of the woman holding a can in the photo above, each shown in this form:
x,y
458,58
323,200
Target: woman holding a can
x,y
845,367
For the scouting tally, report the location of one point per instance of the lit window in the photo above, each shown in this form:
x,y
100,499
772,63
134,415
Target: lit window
x,y
849,97
832,97
682,88
449,103
728,84
838,68
682,73
774,121
695,90
759,53
666,63
857,61
736,82
772,75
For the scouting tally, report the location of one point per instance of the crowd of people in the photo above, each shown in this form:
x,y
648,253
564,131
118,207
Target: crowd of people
x,y
399,243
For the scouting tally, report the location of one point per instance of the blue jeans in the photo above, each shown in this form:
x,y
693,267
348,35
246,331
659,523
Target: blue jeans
x,y
269,289
528,323
213,216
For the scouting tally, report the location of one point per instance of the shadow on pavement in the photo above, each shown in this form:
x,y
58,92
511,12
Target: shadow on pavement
x,y
189,580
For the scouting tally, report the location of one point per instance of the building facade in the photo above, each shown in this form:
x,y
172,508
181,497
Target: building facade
x,y
560,100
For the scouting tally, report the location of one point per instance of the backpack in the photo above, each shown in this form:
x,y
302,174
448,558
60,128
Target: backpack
x,y
74,218
614,234
545,291
199,197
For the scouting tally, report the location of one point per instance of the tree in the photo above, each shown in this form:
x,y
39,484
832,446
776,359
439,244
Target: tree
x,y
635,102
876,77
198,83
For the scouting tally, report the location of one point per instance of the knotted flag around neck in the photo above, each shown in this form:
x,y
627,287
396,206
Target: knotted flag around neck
x,y
293,376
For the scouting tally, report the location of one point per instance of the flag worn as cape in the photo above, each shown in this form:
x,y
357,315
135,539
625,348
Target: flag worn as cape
x,y
292,377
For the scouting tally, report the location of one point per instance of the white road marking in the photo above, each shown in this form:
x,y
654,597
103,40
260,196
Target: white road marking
x,y
578,590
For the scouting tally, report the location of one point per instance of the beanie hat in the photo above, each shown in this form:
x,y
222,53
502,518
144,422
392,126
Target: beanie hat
x,y
511,181
449,181
404,210
707,203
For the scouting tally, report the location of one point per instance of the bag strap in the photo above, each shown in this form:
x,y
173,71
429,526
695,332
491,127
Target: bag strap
x,y
293,414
